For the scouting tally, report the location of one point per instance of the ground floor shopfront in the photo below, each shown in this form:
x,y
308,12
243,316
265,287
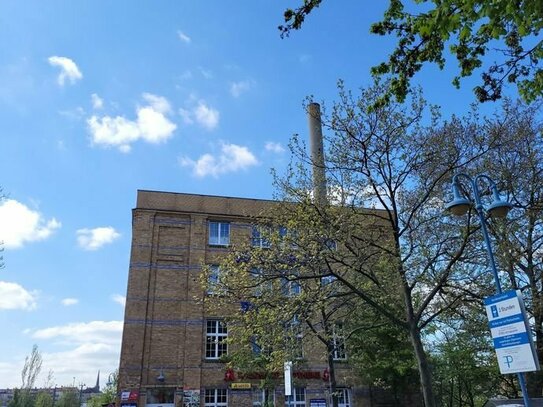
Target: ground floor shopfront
x,y
239,394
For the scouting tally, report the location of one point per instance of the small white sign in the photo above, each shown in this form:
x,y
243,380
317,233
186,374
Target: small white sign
x,y
288,378
511,333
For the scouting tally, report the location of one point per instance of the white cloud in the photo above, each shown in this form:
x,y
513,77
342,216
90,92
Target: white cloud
x,y
232,158
151,125
237,88
69,301
184,37
82,332
203,114
89,346
119,299
21,224
274,147
206,116
14,296
158,103
93,239
68,69
97,101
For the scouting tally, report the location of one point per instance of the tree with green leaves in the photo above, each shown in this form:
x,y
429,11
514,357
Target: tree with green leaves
x,y
44,399
23,397
31,368
519,163
463,359
68,398
475,32
286,310
404,258
382,355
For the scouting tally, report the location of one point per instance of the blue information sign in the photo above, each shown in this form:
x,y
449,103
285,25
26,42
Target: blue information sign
x,y
511,333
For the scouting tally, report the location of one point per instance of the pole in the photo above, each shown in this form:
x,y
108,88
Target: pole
x,y
490,253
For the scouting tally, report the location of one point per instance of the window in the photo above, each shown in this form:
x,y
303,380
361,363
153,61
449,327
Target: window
x,y
293,329
213,279
288,235
297,399
344,399
338,339
261,283
216,334
290,285
160,395
263,397
215,398
258,238
298,346
255,346
219,233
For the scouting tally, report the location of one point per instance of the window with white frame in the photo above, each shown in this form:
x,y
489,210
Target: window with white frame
x,y
263,397
338,338
216,334
344,397
259,237
215,398
297,399
213,279
219,233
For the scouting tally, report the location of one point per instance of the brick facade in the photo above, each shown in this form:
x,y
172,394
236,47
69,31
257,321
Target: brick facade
x,y
163,346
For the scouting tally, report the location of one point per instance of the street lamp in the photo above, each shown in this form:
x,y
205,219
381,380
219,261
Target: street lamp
x,y
110,380
497,209
111,388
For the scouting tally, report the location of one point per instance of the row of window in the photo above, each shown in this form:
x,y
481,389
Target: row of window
x,y
217,333
219,235
289,285
219,397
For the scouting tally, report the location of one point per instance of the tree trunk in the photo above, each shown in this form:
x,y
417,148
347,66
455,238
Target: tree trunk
x,y
424,368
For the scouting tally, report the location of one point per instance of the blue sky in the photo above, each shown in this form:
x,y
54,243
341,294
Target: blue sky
x,y
99,99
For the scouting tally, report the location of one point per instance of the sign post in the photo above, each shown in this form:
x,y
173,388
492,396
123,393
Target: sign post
x,y
288,381
511,333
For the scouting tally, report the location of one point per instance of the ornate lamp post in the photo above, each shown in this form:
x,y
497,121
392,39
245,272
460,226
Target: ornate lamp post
x,y
499,209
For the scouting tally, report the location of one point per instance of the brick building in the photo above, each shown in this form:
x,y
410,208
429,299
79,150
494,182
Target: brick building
x,y
172,344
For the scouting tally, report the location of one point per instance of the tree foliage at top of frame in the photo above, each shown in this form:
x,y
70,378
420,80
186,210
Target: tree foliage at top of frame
x,y
473,31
